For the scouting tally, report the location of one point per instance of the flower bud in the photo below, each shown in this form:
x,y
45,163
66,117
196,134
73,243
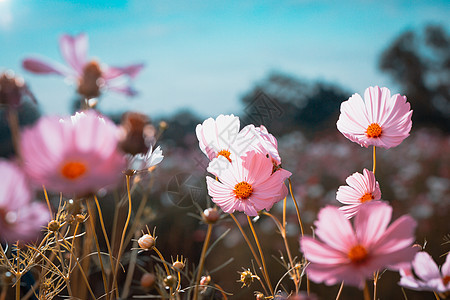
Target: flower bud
x,y
146,242
211,215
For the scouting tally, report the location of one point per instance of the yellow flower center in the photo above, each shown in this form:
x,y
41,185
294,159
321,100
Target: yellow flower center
x,y
366,197
358,254
224,153
73,170
374,130
243,190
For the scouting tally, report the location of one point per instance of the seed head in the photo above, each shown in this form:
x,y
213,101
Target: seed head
x,y
54,225
169,281
178,265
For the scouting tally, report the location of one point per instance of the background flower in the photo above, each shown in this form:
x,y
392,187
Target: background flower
x,y
76,155
429,278
89,76
379,120
20,219
360,189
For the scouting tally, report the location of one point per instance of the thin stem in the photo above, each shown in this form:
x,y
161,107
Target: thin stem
x,y
202,260
18,287
282,229
340,291
436,295
163,260
375,281
404,294
46,199
91,215
266,275
119,254
366,291
250,246
296,207
165,266
301,227
100,216
374,160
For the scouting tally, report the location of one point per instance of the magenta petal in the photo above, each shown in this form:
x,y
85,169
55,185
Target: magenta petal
x,y
38,66
316,251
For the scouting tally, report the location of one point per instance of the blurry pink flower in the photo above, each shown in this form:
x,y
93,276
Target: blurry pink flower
x,y
77,155
429,278
352,256
247,184
379,120
89,76
20,219
360,189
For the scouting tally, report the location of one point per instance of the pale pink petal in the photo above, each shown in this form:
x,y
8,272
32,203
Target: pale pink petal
x,y
113,72
400,234
74,50
333,228
318,252
371,222
39,66
123,89
425,267
446,267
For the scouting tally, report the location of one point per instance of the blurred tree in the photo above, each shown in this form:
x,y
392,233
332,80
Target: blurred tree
x,y
420,63
284,103
181,129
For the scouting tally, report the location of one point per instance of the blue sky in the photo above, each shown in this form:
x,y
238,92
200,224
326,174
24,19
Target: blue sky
x,y
204,55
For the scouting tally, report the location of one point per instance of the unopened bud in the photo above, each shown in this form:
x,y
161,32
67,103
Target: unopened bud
x,y
211,215
146,242
178,265
80,218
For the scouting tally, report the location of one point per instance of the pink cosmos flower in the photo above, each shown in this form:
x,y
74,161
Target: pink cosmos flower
x,y
89,76
247,184
379,120
353,255
361,189
429,278
20,219
77,155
